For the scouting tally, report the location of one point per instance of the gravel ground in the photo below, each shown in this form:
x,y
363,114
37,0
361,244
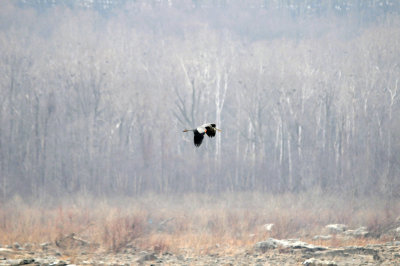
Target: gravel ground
x,y
295,253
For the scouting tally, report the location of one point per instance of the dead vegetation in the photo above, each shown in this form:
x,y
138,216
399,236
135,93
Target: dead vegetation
x,y
191,223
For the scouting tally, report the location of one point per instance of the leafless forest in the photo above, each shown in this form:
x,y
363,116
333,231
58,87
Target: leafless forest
x,y
94,95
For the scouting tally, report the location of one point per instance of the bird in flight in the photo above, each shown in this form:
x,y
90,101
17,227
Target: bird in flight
x,y
209,129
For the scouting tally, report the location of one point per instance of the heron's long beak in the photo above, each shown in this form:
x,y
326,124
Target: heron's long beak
x,y
218,129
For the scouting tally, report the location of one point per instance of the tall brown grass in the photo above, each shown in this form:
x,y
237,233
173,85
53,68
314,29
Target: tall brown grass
x,y
191,223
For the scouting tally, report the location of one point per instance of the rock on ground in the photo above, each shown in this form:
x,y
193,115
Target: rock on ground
x,y
317,262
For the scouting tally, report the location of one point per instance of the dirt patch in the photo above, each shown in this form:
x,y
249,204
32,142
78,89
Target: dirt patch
x,y
282,253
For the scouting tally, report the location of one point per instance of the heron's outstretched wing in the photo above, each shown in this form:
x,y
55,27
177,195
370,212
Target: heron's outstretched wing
x,y
211,131
198,138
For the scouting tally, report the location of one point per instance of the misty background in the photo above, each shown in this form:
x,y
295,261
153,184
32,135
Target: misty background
x,y
94,95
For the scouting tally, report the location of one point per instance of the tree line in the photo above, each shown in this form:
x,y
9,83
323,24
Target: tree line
x,y
96,104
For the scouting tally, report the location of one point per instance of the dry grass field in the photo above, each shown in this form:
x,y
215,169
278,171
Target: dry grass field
x,y
195,223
